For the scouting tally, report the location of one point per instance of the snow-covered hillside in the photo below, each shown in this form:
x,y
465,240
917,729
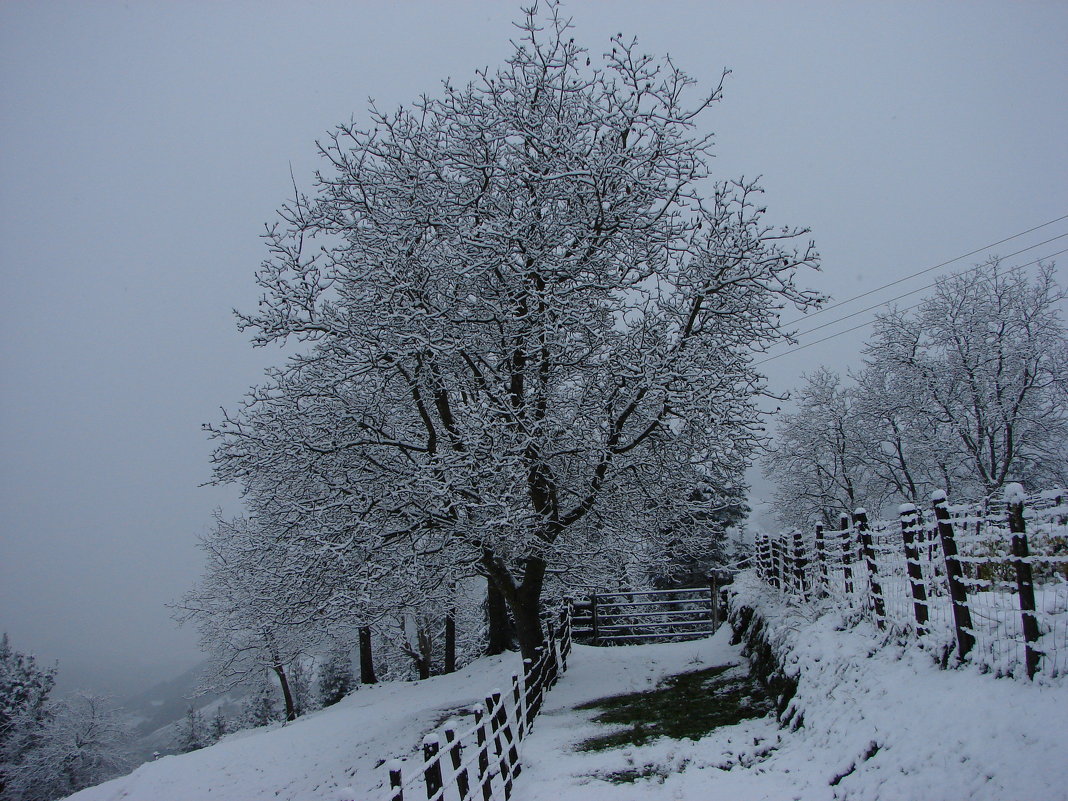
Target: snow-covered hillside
x,y
880,723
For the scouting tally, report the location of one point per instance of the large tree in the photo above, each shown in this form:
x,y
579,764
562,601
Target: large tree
x,y
532,317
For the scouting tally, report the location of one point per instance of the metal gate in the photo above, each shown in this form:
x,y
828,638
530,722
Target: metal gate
x,y
619,618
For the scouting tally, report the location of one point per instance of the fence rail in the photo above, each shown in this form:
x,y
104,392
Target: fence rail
x,y
986,580
481,761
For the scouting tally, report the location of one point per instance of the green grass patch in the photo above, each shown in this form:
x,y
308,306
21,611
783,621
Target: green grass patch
x,y
684,706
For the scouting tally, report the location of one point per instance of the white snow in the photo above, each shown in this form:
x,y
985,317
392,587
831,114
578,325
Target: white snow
x,y
318,756
881,721
1014,493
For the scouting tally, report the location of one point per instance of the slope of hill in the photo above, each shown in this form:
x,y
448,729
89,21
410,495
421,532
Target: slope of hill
x,y
881,722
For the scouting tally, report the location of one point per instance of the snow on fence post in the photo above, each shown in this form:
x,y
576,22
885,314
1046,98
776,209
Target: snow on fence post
x,y
910,526
396,783
485,779
962,615
860,517
821,558
846,544
759,544
593,618
455,750
432,765
1014,500
800,562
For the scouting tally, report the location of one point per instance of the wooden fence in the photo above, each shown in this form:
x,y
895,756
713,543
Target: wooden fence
x,y
988,581
619,618
480,762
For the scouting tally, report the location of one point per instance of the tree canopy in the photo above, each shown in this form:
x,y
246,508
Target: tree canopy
x,y
530,316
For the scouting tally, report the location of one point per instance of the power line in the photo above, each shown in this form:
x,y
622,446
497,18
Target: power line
x,y
935,283
886,302
927,270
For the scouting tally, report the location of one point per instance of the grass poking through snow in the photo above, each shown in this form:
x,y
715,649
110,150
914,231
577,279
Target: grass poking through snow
x,y
684,706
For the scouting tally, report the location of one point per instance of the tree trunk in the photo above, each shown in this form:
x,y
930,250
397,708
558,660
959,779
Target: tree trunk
x,y
524,600
450,642
501,635
291,709
367,665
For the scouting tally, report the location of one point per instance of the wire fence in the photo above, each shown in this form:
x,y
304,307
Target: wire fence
x,y
481,759
987,580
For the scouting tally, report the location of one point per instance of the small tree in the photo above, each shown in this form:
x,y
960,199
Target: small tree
x,y
24,708
220,726
260,707
335,677
192,733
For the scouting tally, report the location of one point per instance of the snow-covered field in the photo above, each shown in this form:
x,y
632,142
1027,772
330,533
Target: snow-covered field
x,y
880,723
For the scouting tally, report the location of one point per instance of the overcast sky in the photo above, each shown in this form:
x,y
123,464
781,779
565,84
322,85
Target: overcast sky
x,y
143,146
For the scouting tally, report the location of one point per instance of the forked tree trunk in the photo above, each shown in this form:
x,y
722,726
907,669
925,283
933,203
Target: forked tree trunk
x,y
524,599
501,635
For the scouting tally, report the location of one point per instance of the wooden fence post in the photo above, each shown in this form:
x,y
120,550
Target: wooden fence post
x,y
500,721
432,765
713,600
860,517
761,561
821,558
482,735
519,700
910,525
396,784
776,564
455,749
800,562
962,615
845,542
593,619
1025,584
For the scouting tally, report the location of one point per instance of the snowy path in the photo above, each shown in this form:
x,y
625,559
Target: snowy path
x,y
882,724
554,771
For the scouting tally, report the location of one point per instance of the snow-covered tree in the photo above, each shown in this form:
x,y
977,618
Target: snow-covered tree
x,y
260,707
964,393
335,677
241,610
84,741
192,732
986,357
219,726
819,458
24,710
532,317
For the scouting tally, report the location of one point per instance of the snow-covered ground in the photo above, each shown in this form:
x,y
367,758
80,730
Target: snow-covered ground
x,y
312,758
880,723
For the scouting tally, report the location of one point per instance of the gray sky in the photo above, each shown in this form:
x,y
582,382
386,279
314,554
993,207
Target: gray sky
x,y
143,145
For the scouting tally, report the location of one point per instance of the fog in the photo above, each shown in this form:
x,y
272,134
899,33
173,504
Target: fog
x,y
143,146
